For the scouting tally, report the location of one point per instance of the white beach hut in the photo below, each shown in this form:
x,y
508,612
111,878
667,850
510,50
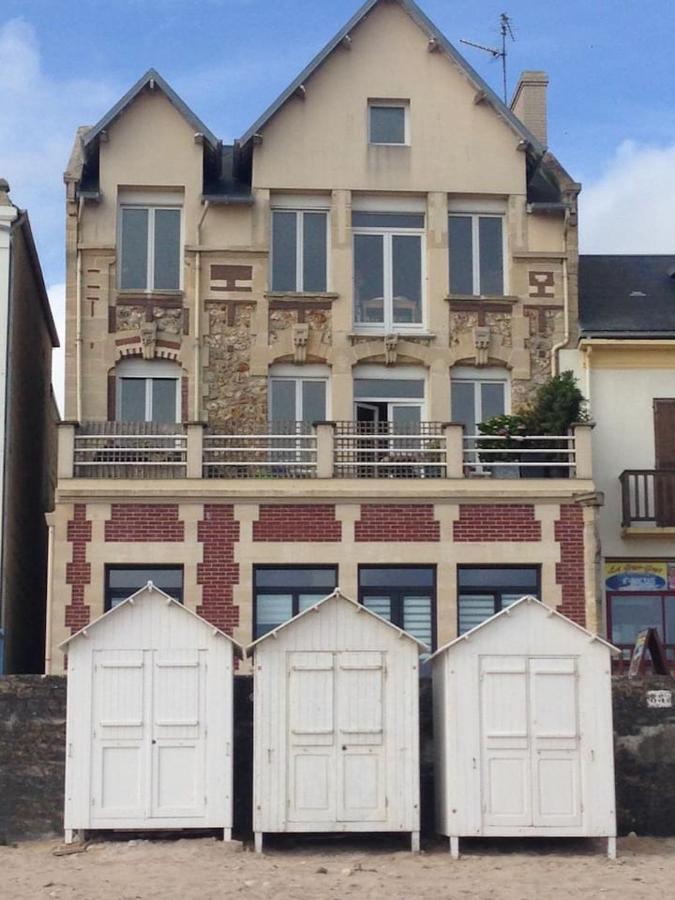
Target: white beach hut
x,y
336,744
149,722
523,729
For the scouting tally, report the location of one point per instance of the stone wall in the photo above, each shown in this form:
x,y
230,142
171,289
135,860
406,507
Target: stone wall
x,y
644,758
32,755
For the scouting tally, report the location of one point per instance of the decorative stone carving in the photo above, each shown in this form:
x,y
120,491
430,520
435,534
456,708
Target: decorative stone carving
x,y
148,339
481,342
300,339
390,349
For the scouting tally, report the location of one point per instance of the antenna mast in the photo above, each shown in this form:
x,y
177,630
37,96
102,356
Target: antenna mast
x,y
505,31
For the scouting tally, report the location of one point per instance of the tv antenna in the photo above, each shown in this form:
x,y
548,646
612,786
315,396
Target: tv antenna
x,y
506,31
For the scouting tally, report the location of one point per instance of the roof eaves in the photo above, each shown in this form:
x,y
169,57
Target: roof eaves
x,y
433,32
151,76
23,222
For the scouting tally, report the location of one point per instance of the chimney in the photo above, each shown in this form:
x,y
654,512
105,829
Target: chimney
x,y
529,103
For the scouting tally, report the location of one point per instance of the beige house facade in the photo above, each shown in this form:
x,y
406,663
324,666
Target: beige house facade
x,y
278,351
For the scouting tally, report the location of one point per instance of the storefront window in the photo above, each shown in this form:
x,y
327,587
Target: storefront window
x,y
640,595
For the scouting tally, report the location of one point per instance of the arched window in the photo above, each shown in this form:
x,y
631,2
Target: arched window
x,y
148,391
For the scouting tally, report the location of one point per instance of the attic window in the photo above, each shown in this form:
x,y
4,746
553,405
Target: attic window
x,y
388,122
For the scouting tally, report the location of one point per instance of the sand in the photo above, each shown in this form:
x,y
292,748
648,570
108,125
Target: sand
x,y
206,868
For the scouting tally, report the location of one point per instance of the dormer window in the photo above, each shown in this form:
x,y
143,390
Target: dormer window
x,y
388,122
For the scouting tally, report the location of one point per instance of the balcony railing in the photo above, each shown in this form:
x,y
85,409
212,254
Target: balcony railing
x,y
129,450
648,498
279,450
354,450
527,456
389,450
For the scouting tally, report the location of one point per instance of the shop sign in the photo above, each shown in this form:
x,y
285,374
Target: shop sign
x,y
648,575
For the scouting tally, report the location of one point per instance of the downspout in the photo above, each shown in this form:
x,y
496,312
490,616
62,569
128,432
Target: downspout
x,y
78,314
566,311
197,314
50,593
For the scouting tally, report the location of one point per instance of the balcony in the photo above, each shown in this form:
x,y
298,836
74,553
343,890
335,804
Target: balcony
x,y
647,500
429,451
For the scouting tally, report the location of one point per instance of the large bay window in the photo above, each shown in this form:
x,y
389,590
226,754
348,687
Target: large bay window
x,y
148,391
388,270
476,250
149,247
281,592
121,581
299,250
404,595
486,590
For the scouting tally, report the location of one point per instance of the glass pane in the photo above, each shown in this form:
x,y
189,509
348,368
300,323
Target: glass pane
x,y
306,578
313,401
460,243
389,388
491,255
387,125
396,576
633,613
417,618
406,262
132,399
508,599
284,251
272,610
368,278
492,400
164,400
122,583
307,600
282,400
387,220
314,252
406,415
167,249
464,405
670,620
379,605
500,578
474,609
134,249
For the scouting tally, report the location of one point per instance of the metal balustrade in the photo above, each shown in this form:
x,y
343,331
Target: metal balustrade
x,y
520,456
129,450
389,450
277,450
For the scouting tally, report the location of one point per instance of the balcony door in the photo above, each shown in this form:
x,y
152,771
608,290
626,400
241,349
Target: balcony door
x,y
664,449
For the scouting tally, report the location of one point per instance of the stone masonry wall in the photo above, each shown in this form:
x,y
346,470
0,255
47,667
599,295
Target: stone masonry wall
x,y
32,755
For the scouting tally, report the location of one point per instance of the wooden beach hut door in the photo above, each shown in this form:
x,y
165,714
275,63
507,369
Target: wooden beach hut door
x,y
530,742
149,747
336,755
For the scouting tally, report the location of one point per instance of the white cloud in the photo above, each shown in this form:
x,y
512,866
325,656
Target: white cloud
x,y
57,301
631,207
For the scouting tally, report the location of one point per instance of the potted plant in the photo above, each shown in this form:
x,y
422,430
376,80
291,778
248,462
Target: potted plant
x,y
502,443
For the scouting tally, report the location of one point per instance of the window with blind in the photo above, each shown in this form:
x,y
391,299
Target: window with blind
x,y
281,592
486,590
404,595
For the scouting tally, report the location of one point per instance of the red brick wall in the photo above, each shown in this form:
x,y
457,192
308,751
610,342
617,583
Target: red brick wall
x,y
144,522
569,532
397,522
78,571
504,522
218,531
315,523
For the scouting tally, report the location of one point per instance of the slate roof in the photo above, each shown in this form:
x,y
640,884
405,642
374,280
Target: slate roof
x,y
627,296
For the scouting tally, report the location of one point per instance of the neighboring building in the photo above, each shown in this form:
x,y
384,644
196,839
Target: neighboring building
x,y
28,418
387,248
627,311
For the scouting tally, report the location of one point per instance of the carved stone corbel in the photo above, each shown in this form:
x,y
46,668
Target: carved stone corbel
x,y
300,340
148,339
481,342
390,349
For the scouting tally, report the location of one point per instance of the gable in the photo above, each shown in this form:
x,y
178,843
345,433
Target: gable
x,y
320,136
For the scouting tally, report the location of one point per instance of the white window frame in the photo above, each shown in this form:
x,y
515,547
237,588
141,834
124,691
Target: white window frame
x,y
151,203
298,374
147,371
388,326
475,215
389,373
395,104
299,245
478,376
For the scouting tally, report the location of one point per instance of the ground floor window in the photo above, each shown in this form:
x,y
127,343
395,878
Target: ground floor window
x,y
123,581
640,594
404,595
485,590
281,592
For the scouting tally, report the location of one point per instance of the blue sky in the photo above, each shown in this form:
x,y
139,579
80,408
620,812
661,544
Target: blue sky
x,y
611,98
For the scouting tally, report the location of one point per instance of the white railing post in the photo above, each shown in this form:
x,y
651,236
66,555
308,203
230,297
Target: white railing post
x,y
325,443
195,449
65,465
454,449
583,449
